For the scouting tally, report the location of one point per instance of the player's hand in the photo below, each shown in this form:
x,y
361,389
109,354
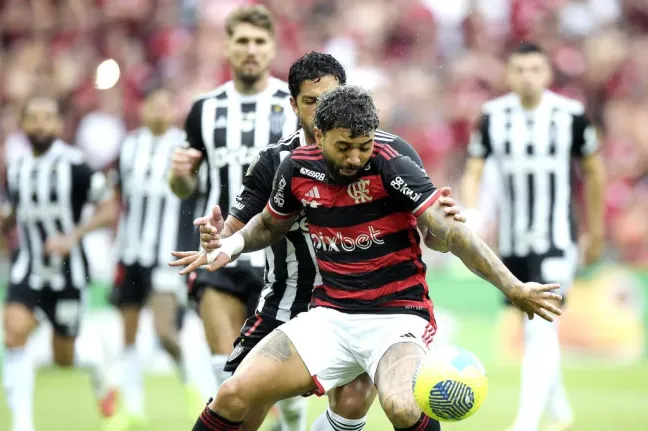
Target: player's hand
x,y
60,245
184,160
534,298
192,260
450,206
592,246
210,228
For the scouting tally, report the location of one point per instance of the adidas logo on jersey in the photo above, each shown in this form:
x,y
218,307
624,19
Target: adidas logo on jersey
x,y
312,194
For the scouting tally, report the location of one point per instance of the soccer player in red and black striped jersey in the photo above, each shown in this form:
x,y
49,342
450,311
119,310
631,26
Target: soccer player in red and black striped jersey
x,y
372,312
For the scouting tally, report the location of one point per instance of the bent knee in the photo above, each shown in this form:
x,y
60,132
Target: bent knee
x,y
17,327
232,396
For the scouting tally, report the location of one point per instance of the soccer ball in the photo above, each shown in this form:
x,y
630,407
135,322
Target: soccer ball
x,y
450,384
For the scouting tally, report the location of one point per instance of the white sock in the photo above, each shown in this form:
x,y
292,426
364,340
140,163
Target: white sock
x,y
218,363
90,360
559,409
540,368
329,421
18,375
293,414
132,386
198,373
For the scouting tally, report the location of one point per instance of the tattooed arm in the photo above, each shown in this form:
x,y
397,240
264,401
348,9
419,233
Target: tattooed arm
x,y
264,230
467,246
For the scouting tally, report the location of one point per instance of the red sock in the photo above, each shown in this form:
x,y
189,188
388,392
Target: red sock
x,y
212,421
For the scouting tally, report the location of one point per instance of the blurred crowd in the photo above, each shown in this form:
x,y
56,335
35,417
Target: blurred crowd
x,y
430,63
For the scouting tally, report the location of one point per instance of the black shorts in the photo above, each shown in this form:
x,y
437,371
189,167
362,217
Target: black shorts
x,y
63,308
255,329
529,269
132,285
243,281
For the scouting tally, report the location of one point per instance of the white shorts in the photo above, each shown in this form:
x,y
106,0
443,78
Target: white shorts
x,y
337,347
167,280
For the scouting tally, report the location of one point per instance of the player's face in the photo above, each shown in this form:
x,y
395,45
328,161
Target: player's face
x,y
304,106
345,156
159,109
41,123
250,50
528,75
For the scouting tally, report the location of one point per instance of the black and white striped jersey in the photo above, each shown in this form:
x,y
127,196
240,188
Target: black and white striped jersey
x,y
48,194
291,269
154,220
533,151
230,129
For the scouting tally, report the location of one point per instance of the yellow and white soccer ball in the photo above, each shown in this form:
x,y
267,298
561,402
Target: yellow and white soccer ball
x,y
450,384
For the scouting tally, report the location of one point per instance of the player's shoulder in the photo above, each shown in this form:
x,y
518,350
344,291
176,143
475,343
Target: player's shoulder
x,y
280,88
67,152
566,104
500,104
286,144
309,156
219,92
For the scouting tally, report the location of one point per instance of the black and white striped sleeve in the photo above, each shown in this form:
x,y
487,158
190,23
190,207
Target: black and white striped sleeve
x,y
256,189
193,127
89,186
585,140
480,144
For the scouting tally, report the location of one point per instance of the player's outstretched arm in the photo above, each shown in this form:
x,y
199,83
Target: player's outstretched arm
x,y
479,258
262,231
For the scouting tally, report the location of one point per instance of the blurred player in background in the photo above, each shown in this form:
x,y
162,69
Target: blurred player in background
x,y
292,269
47,191
372,313
153,223
227,128
533,134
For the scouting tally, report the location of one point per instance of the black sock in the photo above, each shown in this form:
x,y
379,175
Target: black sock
x,y
212,421
425,423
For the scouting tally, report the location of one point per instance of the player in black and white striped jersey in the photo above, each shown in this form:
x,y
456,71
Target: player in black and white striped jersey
x,y
47,192
227,128
532,136
153,222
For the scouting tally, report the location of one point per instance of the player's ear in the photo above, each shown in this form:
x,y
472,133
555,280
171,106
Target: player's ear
x,y
319,137
293,105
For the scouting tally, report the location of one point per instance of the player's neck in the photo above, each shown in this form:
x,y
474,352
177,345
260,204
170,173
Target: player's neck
x,y
531,103
159,130
250,89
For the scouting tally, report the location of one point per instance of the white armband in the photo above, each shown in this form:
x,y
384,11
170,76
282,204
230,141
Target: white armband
x,y
229,246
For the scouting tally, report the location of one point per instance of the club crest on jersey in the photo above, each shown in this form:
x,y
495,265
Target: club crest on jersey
x,y
359,191
277,120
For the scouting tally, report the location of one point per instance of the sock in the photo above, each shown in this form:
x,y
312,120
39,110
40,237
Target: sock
x,y
559,409
218,363
132,386
89,360
540,369
18,375
330,421
212,421
293,414
198,373
425,423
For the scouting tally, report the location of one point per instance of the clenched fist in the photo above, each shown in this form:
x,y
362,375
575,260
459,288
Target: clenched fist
x,y
184,162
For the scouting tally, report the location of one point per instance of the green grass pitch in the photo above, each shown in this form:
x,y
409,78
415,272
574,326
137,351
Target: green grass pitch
x,y
604,397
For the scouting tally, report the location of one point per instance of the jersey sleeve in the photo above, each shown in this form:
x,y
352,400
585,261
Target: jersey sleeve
x,y
408,185
406,149
585,141
193,127
480,143
256,188
283,203
89,186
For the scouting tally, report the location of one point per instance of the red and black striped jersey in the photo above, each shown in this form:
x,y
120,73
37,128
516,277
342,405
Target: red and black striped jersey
x,y
364,233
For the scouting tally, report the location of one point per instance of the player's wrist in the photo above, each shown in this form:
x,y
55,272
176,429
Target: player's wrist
x,y
230,246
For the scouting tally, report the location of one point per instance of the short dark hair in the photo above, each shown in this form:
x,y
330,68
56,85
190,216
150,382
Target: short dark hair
x,y
257,15
347,107
312,67
528,48
154,88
